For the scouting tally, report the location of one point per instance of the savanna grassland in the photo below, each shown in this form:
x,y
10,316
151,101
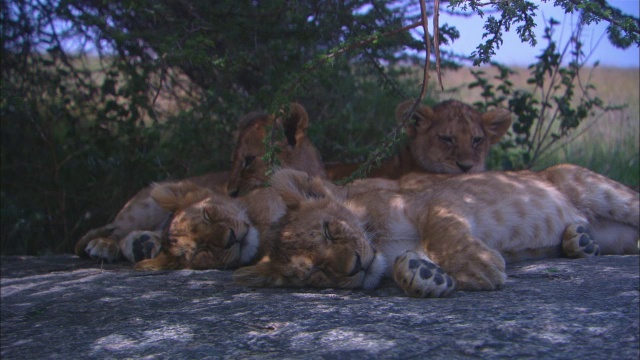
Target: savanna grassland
x,y
607,142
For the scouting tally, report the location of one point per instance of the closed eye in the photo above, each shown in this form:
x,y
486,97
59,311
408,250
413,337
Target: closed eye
x,y
325,231
449,140
356,267
205,216
477,141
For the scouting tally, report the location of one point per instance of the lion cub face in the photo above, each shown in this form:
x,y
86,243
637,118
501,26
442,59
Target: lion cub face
x,y
452,137
318,242
208,230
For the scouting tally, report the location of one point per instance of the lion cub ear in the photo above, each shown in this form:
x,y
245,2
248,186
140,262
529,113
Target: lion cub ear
x,y
254,118
260,275
496,122
175,196
295,124
296,187
421,118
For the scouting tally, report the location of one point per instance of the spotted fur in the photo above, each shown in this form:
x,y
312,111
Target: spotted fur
x,y
465,225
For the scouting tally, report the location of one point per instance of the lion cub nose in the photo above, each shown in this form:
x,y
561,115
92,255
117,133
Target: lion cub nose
x,y
464,165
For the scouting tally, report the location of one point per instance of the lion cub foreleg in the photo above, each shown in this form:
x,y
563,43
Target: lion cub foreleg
x,y
131,233
98,243
447,239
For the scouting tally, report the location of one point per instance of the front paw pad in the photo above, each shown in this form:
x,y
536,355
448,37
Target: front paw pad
x,y
577,242
140,245
420,277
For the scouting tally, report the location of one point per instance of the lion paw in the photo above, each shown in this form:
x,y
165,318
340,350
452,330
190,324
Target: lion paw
x,y
103,248
141,245
476,268
577,242
420,277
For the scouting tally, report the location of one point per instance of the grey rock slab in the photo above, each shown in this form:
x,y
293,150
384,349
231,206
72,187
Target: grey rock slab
x,y
62,307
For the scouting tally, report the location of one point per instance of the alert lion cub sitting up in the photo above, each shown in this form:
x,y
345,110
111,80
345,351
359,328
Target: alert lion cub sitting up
x,y
437,235
449,138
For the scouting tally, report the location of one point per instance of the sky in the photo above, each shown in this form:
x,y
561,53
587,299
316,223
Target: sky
x,y
514,52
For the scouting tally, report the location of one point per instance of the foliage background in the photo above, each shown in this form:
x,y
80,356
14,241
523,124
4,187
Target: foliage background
x,y
100,98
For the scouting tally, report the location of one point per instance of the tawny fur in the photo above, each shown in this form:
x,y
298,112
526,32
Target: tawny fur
x,y
450,138
203,219
295,151
142,215
211,230
464,224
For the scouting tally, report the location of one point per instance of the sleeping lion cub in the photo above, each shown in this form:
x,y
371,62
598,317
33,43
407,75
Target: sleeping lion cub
x,y
210,230
135,233
442,232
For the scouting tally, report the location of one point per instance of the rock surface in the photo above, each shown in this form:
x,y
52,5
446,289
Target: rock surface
x,y
64,307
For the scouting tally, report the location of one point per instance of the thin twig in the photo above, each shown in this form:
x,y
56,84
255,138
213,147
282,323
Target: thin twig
x,y
548,152
391,137
384,76
425,70
603,15
436,39
575,36
290,90
545,97
425,27
341,51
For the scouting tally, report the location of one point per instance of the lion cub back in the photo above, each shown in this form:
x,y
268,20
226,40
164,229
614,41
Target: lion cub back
x,y
516,212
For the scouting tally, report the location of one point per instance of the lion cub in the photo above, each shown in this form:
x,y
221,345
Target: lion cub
x,y
211,230
443,232
135,233
450,138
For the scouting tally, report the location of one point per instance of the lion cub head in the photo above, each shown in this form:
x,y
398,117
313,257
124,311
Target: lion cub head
x,y
208,230
452,137
295,150
319,242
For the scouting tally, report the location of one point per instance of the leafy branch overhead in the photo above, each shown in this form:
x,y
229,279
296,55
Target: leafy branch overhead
x,y
393,137
623,29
